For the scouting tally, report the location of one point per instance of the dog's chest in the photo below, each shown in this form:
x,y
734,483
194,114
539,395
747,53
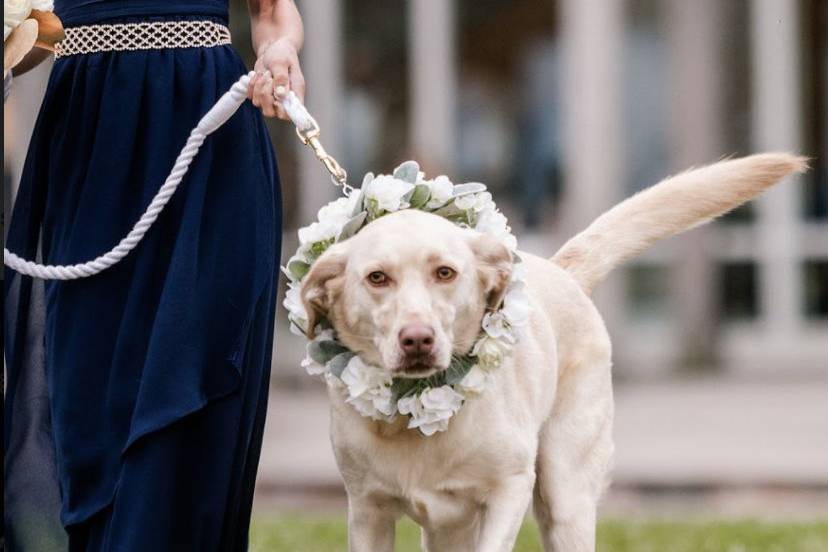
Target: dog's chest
x,y
440,480
433,489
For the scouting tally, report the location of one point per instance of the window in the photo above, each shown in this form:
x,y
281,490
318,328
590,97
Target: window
x,y
647,290
738,290
815,288
815,46
509,115
374,109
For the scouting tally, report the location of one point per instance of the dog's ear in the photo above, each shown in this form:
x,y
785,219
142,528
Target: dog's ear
x,y
494,267
321,286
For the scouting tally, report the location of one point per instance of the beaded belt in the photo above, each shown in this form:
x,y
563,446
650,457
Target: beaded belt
x,y
154,35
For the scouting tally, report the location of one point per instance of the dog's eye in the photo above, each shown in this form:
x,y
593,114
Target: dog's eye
x,y
446,273
378,278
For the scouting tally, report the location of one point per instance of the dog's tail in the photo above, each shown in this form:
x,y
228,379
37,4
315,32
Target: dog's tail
x,y
674,205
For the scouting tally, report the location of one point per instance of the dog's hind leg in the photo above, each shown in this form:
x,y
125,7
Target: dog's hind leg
x,y
574,457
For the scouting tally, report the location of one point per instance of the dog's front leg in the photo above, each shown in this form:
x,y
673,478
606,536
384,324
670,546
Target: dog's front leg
x,y
371,525
505,508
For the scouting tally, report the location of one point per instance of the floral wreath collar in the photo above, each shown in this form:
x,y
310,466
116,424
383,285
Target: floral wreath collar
x,y
428,402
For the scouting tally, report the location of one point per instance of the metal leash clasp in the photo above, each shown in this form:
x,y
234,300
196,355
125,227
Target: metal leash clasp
x,y
310,138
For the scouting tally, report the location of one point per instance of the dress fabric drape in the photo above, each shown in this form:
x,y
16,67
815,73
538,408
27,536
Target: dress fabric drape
x,y
135,399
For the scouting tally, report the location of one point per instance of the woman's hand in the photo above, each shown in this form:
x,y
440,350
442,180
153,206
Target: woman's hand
x,y
277,37
277,72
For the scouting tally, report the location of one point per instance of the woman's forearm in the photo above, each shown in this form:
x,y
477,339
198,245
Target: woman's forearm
x,y
273,20
277,38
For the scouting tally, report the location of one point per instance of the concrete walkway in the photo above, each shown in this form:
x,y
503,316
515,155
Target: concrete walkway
x,y
706,434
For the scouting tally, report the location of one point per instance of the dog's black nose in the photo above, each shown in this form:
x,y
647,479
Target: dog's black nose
x,y
416,339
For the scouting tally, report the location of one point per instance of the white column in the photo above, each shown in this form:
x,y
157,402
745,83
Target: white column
x,y
592,40
777,120
432,77
695,31
322,65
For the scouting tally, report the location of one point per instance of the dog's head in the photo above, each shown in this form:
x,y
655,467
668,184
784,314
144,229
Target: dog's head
x,y
408,291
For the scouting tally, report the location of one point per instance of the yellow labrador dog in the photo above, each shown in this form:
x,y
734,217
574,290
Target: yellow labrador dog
x,y
413,286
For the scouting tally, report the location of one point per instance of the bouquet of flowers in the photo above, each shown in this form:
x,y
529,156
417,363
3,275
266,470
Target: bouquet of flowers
x,y
27,24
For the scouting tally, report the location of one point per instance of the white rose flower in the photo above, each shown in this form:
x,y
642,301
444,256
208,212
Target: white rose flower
x,y
43,5
465,202
410,406
479,202
475,381
494,223
377,403
427,422
495,325
518,272
14,13
441,191
387,192
431,410
318,232
337,213
362,378
516,306
293,303
441,398
369,390
489,352
483,201
312,367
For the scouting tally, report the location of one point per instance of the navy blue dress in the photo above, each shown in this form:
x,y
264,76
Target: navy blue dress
x,y
135,399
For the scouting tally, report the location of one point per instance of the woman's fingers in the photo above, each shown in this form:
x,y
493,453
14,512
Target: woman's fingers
x,y
277,73
297,82
251,87
281,84
263,95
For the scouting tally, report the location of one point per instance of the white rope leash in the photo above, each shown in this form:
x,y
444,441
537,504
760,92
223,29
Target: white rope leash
x,y
224,108
297,112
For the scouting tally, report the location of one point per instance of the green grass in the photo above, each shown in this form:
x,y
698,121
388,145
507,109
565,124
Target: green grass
x,y
290,533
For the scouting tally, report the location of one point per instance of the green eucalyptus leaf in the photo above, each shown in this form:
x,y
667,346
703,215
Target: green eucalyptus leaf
x,y
358,206
407,172
338,363
352,226
297,327
458,369
468,188
323,351
403,387
450,211
471,218
420,196
367,179
317,248
297,269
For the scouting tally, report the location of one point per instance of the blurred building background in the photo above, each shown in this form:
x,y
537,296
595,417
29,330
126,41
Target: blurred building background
x,y
564,107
